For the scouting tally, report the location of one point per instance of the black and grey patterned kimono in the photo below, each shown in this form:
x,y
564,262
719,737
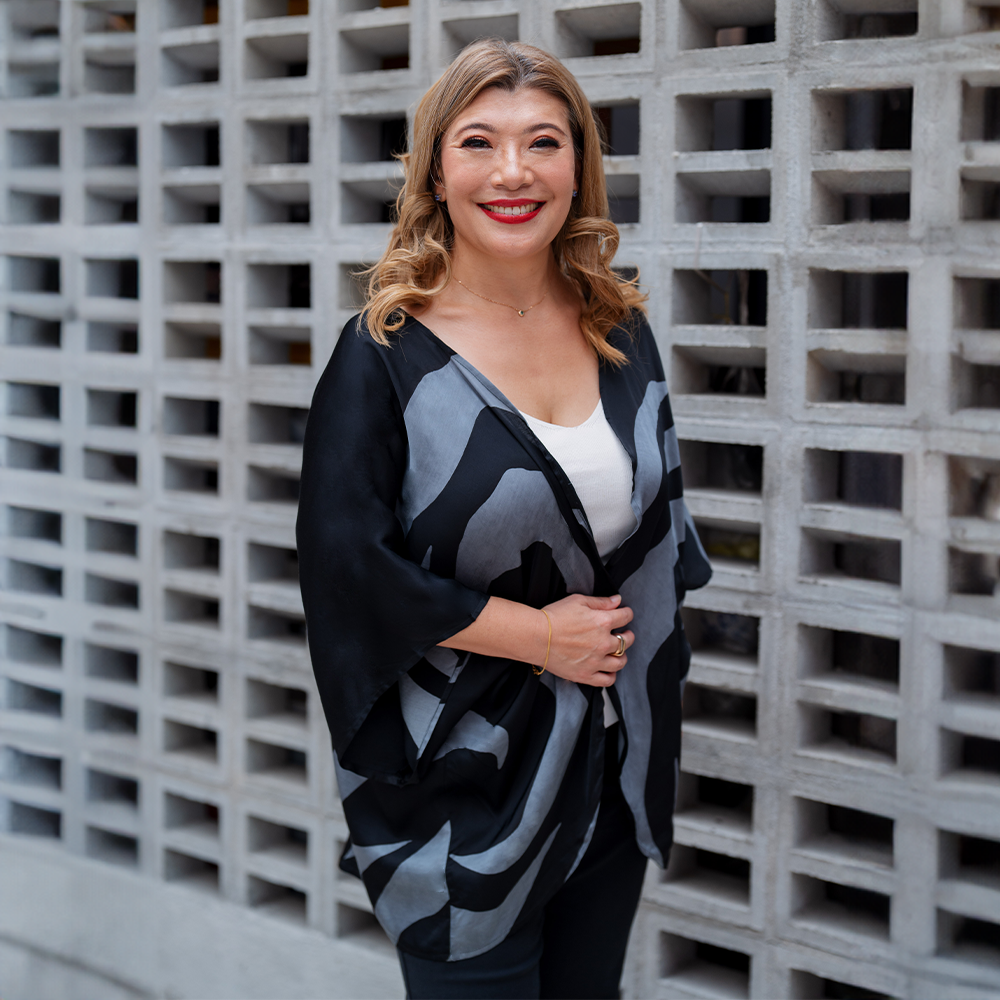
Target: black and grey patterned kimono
x,y
471,786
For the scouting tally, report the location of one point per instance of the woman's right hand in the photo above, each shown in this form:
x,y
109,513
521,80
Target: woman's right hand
x,y
582,643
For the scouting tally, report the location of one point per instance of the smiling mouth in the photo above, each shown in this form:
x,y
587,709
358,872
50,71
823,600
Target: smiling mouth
x,y
531,206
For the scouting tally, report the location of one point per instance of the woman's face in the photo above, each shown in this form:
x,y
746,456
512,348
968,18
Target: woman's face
x,y
508,171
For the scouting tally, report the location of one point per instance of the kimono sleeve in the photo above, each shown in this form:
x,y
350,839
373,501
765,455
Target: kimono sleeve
x,y
371,612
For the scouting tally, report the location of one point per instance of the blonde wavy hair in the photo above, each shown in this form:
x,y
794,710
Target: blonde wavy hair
x,y
416,266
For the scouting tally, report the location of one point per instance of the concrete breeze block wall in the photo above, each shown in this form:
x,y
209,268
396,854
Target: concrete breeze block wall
x,y
811,189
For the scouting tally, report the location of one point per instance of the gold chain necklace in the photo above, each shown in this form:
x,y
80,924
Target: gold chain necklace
x,y
507,305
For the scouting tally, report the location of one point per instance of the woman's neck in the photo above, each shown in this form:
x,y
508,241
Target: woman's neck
x,y
519,282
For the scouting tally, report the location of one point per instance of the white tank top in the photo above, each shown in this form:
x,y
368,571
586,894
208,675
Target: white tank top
x,y
600,470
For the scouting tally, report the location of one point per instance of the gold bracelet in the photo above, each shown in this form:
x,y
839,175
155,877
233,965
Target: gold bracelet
x,y
538,671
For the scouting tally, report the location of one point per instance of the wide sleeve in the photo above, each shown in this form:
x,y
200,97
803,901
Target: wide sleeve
x,y
371,612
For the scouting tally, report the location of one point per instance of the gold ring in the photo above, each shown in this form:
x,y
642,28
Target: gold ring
x,y
621,646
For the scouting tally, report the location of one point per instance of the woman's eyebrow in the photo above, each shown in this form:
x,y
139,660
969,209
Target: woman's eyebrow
x,y
485,127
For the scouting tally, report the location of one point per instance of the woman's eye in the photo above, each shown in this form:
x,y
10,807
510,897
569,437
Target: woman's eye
x,y
475,142
546,142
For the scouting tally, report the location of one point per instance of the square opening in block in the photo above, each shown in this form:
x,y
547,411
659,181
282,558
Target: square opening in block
x,y
272,485
111,147
623,198
196,684
37,400
977,303
32,821
715,801
461,32
854,735
974,574
719,712
972,674
879,379
190,475
270,57
110,206
706,24
183,65
186,416
192,205
33,19
733,196
277,900
30,522
981,112
280,345
970,939
114,17
115,720
194,281
833,554
723,121
193,341
807,986
194,742
278,141
619,128
715,465
832,653
722,637
365,50
841,908
372,138
969,858
110,278
287,843
111,71
32,79
730,544
858,478
721,876
112,408
274,761
23,697
183,550
183,608
33,331
108,663
268,424
31,208
276,626
841,19
34,578
972,758
351,287
118,468
188,13
849,833
38,275
367,202
40,649
191,145
191,815
858,300
974,387
694,964
285,204
38,770
33,148
862,119
279,286
276,702
109,592
191,872
606,30
113,338
272,563
32,456
257,9
841,196
720,371
119,537
118,789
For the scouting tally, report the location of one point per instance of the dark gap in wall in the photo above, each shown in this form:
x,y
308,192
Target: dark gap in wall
x,y
873,656
879,119
857,825
879,25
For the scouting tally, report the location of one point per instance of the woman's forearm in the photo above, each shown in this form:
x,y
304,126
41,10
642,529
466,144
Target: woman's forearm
x,y
505,628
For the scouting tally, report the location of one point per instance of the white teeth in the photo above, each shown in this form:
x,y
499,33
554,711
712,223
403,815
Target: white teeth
x,y
514,209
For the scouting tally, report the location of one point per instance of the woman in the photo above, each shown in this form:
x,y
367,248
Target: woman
x,y
493,548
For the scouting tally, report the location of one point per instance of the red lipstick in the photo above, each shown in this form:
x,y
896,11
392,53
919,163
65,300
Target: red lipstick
x,y
511,219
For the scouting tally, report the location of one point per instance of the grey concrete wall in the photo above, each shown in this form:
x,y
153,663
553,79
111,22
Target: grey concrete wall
x,y
811,189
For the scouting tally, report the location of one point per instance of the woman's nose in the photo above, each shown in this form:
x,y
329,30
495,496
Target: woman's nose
x,y
510,170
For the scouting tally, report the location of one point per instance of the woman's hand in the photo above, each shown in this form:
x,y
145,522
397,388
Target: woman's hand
x,y
582,644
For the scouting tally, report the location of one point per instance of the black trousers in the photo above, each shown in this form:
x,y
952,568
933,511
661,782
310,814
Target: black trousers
x,y
575,948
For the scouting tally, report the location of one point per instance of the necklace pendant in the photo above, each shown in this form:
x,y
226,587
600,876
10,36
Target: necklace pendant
x,y
520,312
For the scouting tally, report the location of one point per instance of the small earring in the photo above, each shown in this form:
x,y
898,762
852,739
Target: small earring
x,y
437,197
574,192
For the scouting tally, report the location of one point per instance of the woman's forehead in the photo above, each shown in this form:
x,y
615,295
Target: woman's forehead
x,y
516,110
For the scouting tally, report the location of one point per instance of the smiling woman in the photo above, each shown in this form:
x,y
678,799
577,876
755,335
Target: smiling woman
x,y
493,550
